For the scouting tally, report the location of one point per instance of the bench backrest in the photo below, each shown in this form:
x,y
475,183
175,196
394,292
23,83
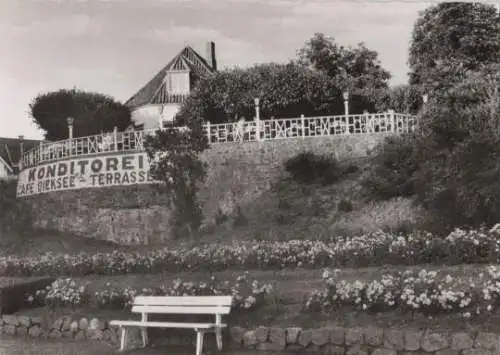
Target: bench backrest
x,y
216,305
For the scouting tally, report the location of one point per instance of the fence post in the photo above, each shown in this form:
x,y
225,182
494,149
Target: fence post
x,y
115,138
257,129
367,117
209,133
303,125
40,152
70,121
391,117
20,163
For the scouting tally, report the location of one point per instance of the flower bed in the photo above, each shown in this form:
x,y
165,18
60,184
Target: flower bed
x,y
248,295
423,291
368,250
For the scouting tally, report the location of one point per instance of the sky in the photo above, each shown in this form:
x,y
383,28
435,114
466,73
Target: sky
x,y
116,46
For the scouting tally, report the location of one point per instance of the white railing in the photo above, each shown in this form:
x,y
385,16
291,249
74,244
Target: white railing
x,y
305,127
238,132
86,146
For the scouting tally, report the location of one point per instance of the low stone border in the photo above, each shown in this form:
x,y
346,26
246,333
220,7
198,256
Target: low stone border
x,y
331,340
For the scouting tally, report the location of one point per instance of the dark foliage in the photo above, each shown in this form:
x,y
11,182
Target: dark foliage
x,y
345,206
449,40
93,113
15,214
175,161
395,162
310,168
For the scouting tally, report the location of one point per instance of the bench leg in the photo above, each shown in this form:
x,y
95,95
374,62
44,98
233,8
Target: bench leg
x,y
144,333
218,338
199,341
123,337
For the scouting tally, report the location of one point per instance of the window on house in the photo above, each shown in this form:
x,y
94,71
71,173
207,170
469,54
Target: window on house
x,y
178,82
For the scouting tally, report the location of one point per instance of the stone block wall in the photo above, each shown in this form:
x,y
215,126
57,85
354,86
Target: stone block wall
x,y
328,340
237,174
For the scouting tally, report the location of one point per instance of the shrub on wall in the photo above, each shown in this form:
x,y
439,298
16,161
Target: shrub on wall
x,y
460,188
394,165
15,213
310,168
175,161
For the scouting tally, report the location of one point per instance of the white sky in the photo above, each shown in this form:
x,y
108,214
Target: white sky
x,y
116,46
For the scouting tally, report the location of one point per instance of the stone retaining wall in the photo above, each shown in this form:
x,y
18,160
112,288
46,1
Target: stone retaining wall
x,y
237,175
331,340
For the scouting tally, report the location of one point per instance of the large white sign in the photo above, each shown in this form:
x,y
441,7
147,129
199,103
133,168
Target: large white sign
x,y
109,170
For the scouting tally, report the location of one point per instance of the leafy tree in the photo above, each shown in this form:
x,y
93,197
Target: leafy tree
x,y
175,161
357,70
402,98
284,90
468,107
93,113
459,187
452,165
450,39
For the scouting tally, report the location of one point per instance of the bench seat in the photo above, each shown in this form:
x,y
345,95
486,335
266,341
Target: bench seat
x,y
168,305
138,323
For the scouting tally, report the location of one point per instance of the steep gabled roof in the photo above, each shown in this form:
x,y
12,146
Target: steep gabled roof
x,y
154,90
10,150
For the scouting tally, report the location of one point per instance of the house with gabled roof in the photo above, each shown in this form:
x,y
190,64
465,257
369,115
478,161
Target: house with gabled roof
x,y
11,150
156,103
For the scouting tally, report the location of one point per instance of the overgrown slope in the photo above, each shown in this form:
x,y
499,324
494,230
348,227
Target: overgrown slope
x,y
293,210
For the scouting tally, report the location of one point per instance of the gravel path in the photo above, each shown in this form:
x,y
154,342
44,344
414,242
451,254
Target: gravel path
x,y
18,346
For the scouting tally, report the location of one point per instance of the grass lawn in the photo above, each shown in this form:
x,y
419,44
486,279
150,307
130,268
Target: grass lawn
x,y
292,286
41,241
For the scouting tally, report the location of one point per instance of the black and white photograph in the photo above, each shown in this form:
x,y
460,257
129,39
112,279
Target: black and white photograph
x,y
249,177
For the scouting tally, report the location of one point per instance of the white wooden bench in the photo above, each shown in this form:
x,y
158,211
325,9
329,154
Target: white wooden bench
x,y
192,305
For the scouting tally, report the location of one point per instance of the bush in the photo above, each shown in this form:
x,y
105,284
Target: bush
x,y
310,168
240,220
345,206
395,162
15,214
460,187
220,217
12,296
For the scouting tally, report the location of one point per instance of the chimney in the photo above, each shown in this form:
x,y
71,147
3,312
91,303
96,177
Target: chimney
x,y
210,55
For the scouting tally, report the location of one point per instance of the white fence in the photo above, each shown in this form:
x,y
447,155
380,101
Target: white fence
x,y
238,132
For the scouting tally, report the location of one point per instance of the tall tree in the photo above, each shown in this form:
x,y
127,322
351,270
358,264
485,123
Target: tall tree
x,y
284,90
402,98
175,161
449,40
93,113
357,70
469,107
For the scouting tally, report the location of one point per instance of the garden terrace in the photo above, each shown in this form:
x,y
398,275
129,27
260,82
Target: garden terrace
x,y
282,285
249,131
